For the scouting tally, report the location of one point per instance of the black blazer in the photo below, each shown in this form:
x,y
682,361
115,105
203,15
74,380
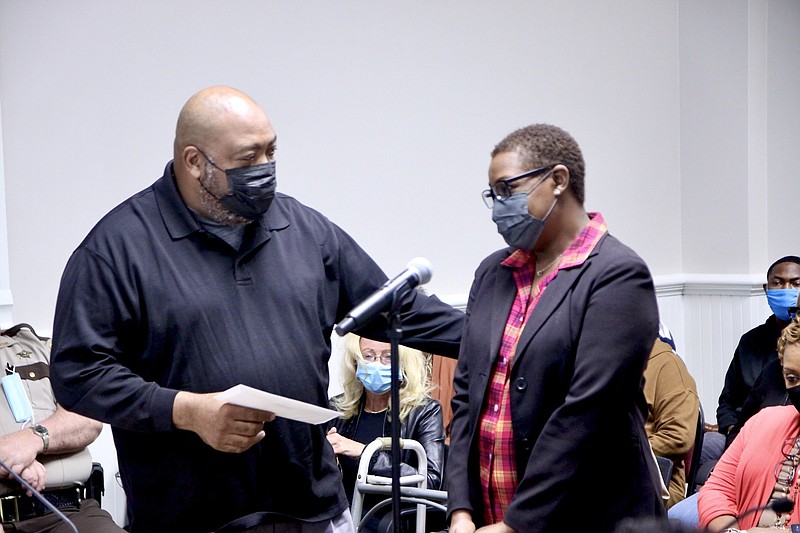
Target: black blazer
x,y
577,404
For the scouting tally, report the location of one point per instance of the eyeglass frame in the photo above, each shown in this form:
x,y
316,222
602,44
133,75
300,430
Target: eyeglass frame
x,y
384,358
790,460
787,447
778,470
490,195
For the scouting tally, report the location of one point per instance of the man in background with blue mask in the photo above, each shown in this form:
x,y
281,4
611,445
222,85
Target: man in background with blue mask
x,y
207,279
754,379
758,346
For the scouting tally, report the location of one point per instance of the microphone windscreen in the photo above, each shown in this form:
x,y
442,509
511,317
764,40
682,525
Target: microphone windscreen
x,y
782,505
422,267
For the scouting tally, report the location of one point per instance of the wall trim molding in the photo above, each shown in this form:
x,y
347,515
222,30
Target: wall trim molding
x,y
706,313
709,284
671,285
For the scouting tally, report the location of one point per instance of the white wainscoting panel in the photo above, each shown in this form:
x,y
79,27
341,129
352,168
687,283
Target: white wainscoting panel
x,y
707,315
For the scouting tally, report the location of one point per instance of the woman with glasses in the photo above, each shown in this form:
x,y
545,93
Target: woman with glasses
x,y
760,466
367,413
548,424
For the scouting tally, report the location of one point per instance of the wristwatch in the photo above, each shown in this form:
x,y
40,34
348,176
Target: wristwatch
x,y
42,432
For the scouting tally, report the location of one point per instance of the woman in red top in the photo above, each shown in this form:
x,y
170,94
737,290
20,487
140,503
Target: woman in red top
x,y
761,464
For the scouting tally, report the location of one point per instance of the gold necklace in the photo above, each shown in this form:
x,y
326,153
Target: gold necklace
x,y
375,412
547,267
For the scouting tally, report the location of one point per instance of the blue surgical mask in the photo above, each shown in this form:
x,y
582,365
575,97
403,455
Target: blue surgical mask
x,y
376,377
780,300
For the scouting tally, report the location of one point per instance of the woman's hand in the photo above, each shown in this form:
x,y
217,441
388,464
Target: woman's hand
x,y
343,445
461,522
499,527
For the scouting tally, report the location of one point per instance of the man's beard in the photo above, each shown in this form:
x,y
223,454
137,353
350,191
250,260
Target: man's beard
x,y
214,210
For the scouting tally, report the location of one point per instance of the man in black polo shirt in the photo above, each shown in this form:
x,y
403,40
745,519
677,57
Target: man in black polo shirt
x,y
207,279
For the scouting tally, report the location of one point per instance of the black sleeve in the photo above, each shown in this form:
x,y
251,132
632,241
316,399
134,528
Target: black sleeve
x,y
733,394
428,323
768,390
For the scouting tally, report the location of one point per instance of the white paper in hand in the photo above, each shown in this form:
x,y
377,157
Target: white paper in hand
x,y
280,405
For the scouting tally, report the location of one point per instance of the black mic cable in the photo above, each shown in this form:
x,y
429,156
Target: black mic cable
x,y
52,508
778,505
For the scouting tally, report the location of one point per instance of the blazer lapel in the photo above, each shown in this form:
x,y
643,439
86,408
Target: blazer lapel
x,y
502,299
553,296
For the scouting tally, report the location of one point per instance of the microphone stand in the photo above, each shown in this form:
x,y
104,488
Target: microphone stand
x,y
395,333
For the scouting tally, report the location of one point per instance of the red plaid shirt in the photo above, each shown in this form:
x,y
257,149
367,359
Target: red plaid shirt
x,y
498,469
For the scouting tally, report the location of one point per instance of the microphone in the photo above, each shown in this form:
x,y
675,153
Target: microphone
x,y
50,507
418,272
778,505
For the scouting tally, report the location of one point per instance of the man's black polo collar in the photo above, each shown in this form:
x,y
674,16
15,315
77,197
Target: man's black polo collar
x,y
180,222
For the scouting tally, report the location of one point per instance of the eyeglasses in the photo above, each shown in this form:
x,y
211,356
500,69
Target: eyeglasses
x,y
786,468
790,445
384,357
502,190
785,471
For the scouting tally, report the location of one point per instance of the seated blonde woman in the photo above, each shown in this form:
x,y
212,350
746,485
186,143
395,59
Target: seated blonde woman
x,y
760,466
366,412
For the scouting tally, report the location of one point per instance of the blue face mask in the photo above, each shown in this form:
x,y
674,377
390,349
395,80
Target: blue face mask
x,y
376,377
780,300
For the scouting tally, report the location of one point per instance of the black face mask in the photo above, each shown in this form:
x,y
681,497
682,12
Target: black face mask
x,y
250,189
794,396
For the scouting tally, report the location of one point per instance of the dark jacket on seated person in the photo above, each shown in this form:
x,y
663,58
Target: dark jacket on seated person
x,y
424,424
768,390
756,348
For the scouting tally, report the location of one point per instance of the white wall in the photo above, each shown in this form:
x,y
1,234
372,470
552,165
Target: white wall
x,y
687,113
385,114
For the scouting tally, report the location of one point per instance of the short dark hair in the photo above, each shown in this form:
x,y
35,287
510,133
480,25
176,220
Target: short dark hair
x,y
543,145
786,259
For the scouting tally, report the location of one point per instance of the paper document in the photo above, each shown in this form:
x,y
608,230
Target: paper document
x,y
280,405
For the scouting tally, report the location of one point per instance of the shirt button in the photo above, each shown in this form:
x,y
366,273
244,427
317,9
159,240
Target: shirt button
x,y
490,457
496,408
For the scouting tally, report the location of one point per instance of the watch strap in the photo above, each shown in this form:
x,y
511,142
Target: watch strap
x,y
42,432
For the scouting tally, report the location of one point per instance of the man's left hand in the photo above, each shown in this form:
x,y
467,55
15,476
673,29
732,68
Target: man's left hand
x,y
18,450
35,475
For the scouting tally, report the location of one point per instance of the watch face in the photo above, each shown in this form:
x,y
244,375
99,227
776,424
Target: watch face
x,y
40,429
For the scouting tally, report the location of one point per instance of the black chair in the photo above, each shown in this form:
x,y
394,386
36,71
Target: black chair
x,y
665,466
692,459
95,486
